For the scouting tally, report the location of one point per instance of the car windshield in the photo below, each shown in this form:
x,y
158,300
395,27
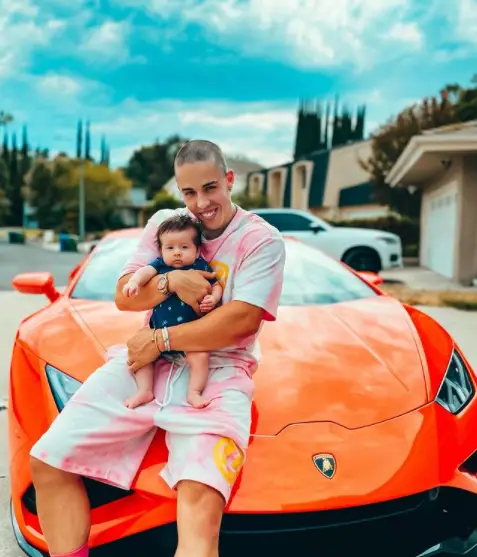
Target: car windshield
x,y
310,277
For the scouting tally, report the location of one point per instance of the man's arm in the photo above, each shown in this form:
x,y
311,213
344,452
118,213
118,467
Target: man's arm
x,y
225,326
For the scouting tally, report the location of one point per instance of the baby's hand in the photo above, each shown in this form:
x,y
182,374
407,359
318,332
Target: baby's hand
x,y
207,304
131,289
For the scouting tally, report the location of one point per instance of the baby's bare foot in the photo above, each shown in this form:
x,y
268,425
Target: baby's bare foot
x,y
141,397
195,399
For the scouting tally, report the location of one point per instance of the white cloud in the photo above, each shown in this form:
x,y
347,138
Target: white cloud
x,y
467,21
107,42
406,33
265,121
307,33
21,32
57,84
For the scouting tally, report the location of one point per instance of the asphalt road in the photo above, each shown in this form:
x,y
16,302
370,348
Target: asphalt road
x,y
14,307
16,259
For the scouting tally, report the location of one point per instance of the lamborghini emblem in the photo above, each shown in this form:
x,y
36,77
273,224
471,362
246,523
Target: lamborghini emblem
x,y
326,464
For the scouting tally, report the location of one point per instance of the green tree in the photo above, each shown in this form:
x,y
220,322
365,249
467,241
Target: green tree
x,y
42,194
14,191
247,201
4,202
164,200
105,190
455,104
52,188
150,167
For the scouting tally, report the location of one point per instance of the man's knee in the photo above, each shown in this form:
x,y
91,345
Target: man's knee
x,y
43,474
202,508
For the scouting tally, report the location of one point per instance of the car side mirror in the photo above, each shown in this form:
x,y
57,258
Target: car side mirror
x,y
36,283
316,227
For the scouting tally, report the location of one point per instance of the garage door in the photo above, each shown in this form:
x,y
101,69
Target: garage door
x,y
441,232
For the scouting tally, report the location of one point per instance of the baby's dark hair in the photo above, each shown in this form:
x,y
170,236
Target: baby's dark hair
x,y
179,223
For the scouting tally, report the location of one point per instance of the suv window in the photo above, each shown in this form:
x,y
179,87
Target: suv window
x,y
287,222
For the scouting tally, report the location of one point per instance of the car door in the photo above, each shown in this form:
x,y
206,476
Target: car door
x,y
295,225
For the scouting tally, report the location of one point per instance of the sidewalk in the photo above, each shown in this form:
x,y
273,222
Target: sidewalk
x,y
83,247
419,278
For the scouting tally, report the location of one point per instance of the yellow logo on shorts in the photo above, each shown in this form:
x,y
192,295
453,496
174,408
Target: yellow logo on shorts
x,y
222,271
228,459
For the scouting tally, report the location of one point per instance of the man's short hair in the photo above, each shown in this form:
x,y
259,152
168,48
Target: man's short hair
x,y
199,150
179,223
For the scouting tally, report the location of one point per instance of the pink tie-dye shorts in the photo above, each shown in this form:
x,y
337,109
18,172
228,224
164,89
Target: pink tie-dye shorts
x,y
98,437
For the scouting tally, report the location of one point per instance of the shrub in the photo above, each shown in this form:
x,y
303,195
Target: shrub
x,y
408,229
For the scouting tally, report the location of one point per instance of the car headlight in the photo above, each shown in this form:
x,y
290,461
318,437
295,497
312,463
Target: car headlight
x,y
62,386
457,388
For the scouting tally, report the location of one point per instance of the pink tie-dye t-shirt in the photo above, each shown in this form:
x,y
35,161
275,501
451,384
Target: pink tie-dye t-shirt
x,y
249,259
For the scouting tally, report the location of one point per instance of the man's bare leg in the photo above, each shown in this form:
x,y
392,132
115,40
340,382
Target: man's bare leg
x,y
199,374
199,515
63,507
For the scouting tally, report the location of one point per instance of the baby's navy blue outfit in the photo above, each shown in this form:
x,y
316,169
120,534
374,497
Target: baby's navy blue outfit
x,y
174,311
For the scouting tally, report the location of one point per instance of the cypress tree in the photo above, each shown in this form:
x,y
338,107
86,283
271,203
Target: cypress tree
x,y
25,151
318,119
15,193
103,150
299,132
79,139
327,125
336,134
5,150
87,147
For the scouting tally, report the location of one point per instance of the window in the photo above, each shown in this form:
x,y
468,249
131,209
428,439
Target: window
x,y
311,278
288,222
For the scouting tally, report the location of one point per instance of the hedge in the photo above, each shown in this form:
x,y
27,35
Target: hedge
x,y
406,228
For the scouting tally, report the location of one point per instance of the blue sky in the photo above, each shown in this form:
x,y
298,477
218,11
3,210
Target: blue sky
x,y
226,70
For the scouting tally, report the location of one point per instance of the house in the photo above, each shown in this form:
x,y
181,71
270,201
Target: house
x,y
330,183
241,167
443,163
133,209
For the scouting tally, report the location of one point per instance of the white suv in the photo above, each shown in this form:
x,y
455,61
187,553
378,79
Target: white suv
x,y
363,249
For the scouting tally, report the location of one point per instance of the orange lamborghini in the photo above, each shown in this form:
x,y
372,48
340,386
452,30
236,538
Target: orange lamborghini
x,y
364,432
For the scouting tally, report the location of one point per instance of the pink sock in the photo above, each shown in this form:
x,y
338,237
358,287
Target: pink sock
x,y
81,552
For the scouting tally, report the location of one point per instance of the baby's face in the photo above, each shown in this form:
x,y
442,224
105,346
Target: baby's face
x,y
178,248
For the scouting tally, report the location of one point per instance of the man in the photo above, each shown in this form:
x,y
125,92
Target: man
x,y
97,436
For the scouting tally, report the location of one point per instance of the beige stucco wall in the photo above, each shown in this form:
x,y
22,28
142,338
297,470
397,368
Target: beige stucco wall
x,y
344,170
467,243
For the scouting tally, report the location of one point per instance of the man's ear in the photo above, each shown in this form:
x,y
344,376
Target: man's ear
x,y
230,179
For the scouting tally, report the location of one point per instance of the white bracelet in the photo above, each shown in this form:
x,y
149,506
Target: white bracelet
x,y
165,338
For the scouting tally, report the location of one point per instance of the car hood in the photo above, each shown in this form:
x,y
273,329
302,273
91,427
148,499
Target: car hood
x,y
353,364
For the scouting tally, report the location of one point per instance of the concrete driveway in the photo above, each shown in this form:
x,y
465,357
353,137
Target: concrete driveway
x,y
15,307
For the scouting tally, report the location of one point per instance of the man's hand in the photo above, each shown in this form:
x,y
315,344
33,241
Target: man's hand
x,y
208,304
142,349
191,286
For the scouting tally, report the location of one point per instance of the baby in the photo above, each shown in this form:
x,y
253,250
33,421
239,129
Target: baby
x,y
179,239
